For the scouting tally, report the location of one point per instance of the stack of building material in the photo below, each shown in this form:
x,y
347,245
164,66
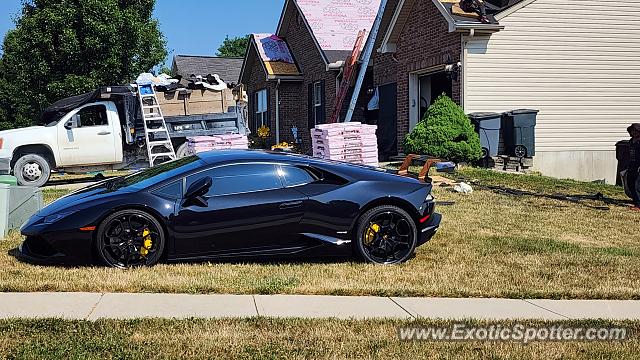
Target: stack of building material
x,y
200,144
350,142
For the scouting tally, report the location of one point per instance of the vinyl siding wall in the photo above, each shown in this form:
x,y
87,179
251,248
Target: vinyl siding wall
x,y
578,62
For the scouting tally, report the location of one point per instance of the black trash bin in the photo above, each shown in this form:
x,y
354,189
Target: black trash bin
x,y
622,155
488,127
519,129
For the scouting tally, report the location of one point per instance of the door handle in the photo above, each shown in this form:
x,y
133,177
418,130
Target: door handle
x,y
102,133
291,205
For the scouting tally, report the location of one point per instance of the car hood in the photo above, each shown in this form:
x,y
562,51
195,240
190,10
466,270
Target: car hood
x,y
21,131
77,199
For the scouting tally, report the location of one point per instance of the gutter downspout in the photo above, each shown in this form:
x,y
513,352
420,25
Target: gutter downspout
x,y
278,112
463,60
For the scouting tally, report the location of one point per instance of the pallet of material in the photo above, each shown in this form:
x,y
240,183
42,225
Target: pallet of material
x,y
350,142
200,144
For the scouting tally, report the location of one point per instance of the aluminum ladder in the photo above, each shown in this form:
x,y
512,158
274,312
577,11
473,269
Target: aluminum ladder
x,y
159,146
368,50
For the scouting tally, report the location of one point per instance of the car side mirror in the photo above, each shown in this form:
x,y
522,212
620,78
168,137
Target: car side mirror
x,y
196,192
68,125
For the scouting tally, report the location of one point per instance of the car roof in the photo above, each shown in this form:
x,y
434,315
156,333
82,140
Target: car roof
x,y
225,156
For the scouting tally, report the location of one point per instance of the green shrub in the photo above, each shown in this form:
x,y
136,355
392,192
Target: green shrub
x,y
445,132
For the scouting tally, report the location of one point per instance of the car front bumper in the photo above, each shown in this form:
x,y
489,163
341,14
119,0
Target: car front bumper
x,y
55,247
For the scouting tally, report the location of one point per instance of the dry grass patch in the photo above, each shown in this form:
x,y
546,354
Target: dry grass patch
x,y
490,245
261,338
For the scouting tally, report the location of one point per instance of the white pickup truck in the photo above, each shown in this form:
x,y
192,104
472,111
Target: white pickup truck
x,y
98,132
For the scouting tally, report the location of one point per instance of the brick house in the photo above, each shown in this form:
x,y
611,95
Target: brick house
x,y
572,60
319,35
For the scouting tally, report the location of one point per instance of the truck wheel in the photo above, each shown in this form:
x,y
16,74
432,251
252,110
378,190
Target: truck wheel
x,y
181,151
32,170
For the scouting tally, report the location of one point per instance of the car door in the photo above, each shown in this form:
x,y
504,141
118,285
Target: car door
x,y
86,137
248,212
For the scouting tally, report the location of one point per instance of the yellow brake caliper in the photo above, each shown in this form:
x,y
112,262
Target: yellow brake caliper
x,y
370,235
147,242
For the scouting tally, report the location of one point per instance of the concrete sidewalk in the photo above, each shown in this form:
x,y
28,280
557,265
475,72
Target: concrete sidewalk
x,y
94,306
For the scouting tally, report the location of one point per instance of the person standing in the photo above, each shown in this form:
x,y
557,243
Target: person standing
x,y
633,173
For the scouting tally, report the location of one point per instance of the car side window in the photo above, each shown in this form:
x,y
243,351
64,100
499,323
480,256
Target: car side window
x,y
296,176
95,115
240,178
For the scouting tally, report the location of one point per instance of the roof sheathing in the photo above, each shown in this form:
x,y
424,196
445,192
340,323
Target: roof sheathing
x,y
333,24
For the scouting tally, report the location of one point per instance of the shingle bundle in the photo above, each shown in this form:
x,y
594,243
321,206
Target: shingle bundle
x,y
200,144
350,142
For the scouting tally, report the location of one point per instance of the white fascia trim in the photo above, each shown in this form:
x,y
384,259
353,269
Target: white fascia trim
x,y
446,14
513,9
306,23
387,47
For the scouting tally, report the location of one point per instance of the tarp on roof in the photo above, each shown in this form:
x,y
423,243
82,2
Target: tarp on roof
x,y
59,109
273,48
336,24
275,54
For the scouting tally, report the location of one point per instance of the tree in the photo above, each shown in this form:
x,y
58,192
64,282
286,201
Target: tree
x,y
233,47
445,132
62,48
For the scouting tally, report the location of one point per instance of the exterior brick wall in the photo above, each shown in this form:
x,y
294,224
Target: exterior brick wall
x,y
313,67
294,97
424,42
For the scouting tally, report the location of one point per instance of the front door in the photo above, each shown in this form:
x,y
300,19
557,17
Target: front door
x,y
88,138
388,121
248,212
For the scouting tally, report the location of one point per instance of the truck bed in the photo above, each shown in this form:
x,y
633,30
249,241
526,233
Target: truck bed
x,y
205,125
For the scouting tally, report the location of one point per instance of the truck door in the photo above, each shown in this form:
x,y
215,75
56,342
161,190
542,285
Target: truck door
x,y
86,136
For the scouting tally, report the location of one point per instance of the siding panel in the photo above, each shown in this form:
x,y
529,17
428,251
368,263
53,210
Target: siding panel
x,y
577,61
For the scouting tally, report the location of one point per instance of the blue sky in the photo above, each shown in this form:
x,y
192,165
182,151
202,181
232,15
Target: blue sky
x,y
193,27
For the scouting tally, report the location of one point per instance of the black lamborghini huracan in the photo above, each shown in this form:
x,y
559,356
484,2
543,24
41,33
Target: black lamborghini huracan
x,y
236,205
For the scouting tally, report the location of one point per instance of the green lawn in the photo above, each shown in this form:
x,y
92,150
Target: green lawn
x,y
490,245
261,338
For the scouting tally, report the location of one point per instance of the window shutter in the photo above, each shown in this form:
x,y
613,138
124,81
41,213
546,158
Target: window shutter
x,y
267,114
323,108
254,109
310,120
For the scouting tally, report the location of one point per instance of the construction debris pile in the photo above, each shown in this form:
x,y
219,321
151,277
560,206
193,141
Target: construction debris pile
x,y
350,142
200,144
165,83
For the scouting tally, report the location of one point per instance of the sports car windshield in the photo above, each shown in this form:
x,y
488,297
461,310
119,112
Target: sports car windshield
x,y
154,175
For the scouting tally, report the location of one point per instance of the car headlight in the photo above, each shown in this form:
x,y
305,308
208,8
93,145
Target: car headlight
x,y
56,217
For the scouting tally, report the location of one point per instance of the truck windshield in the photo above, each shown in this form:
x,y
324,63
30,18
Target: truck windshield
x,y
157,174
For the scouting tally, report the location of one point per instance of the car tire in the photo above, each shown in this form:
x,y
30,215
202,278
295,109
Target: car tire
x,y
181,151
118,248
32,170
399,241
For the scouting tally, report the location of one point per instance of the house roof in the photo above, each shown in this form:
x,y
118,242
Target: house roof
x,y
273,55
450,9
333,24
227,68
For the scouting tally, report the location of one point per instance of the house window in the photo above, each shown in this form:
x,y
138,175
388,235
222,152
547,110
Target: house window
x,y
261,108
318,102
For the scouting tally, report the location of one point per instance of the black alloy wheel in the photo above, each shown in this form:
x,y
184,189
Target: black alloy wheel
x,y
130,238
386,235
